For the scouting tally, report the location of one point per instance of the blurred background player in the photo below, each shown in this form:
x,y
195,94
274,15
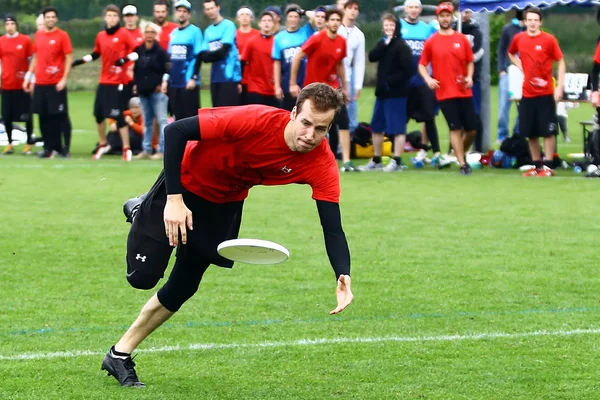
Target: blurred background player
x,y
115,46
151,76
258,64
243,35
15,53
219,48
320,21
51,62
135,35
421,99
355,58
394,69
184,47
160,11
286,45
276,11
451,58
135,128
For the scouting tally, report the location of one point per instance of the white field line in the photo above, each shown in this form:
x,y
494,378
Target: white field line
x,y
309,342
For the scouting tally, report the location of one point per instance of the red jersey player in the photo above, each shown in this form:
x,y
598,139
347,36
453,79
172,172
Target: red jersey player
x,y
136,36
161,14
537,51
51,62
243,35
451,58
15,53
211,162
115,47
258,64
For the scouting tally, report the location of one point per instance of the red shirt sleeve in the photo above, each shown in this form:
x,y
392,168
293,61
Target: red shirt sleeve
x,y
66,43
514,45
225,122
247,51
326,184
597,54
29,50
557,53
311,44
97,45
426,53
344,49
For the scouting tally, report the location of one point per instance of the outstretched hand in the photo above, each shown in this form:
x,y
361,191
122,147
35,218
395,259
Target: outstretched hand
x,y
344,295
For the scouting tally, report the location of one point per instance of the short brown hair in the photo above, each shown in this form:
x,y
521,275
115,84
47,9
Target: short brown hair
x,y
389,17
332,11
352,3
112,8
322,97
532,10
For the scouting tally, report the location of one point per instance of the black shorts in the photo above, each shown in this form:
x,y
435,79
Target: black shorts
x,y
148,247
421,104
537,117
224,94
341,119
108,103
459,113
126,95
16,105
49,101
184,103
256,98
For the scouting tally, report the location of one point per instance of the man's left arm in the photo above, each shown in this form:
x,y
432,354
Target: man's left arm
x,y
478,50
562,68
359,67
341,70
337,251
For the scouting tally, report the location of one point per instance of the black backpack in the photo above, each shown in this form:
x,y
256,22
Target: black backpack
x,y
592,147
517,146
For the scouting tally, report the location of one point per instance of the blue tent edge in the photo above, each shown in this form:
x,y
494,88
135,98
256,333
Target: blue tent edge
x,y
504,6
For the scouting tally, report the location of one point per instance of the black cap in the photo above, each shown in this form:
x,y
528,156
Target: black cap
x,y
10,17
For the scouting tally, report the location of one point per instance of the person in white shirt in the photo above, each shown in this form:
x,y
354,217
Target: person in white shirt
x,y
354,62
562,116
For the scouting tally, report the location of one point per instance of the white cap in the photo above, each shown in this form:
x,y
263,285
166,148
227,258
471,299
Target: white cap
x,y
129,10
412,3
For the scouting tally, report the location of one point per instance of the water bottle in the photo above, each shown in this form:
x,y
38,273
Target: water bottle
x,y
577,169
417,163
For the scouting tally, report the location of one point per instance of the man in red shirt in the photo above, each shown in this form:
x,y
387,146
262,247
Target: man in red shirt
x,y
537,52
258,64
326,52
51,62
451,59
161,15
243,35
15,52
211,162
136,36
115,47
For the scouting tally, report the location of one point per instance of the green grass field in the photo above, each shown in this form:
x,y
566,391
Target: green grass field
x,y
480,287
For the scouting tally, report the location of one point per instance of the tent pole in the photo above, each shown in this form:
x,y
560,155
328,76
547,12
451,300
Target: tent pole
x,y
483,20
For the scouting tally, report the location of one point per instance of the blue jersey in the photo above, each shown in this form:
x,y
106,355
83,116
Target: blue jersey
x,y
228,69
415,36
185,44
285,46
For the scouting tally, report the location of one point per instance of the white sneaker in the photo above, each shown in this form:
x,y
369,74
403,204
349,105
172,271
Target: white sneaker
x,y
421,155
101,151
127,155
393,166
371,166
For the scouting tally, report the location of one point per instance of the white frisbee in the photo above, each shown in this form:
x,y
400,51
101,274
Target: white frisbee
x,y
253,251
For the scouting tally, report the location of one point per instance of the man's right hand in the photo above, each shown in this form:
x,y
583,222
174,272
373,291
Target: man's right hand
x,y
279,93
177,217
433,83
27,86
502,73
294,90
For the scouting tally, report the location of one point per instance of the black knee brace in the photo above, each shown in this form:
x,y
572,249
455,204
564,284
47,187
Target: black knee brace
x,y
182,283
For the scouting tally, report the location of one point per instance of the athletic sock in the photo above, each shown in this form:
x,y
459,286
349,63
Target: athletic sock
x,y
118,354
377,159
538,164
398,160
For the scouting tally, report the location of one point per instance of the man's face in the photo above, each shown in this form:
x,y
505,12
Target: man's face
x,y
182,15
136,111
445,19
130,21
266,24
212,10
340,4
466,15
413,11
149,35
389,27
160,14
352,12
50,20
10,27
292,21
333,23
320,21
309,127
245,19
111,19
533,22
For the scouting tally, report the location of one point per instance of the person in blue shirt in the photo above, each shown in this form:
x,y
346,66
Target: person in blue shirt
x,y
219,49
285,46
184,46
421,99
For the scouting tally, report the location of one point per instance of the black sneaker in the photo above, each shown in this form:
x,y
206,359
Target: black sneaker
x,y
131,206
122,369
465,169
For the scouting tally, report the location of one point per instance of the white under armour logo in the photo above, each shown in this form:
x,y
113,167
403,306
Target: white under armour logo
x,y
140,257
286,170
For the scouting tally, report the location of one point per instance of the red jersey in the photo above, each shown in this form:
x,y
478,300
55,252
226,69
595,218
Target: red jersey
x,y
597,54
242,147
137,36
258,71
537,54
14,57
50,49
165,34
448,56
324,54
111,48
241,41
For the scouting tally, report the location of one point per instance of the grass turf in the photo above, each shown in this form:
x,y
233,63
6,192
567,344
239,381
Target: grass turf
x,y
441,263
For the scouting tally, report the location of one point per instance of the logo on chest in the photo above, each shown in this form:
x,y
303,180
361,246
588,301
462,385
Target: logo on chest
x,y
457,45
286,170
538,47
19,47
